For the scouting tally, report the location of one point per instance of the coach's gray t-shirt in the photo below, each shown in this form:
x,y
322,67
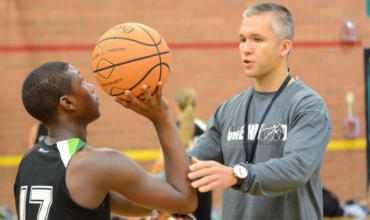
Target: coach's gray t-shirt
x,y
284,179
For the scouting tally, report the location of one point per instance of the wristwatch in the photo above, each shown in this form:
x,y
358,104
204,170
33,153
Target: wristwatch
x,y
240,172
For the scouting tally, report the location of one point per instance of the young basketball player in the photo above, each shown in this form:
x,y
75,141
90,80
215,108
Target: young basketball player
x,y
62,177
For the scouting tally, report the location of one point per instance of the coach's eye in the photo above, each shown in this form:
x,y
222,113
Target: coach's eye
x,y
258,39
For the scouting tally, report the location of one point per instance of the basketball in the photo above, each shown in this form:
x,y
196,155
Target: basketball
x,y
129,55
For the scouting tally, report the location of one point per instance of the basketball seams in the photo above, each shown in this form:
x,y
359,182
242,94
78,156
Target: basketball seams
x,y
104,71
159,55
104,59
141,80
128,61
129,39
102,47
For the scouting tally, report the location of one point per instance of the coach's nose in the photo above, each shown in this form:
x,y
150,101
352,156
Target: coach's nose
x,y
246,47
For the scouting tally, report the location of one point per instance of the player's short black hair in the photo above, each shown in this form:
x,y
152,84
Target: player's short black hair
x,y
42,89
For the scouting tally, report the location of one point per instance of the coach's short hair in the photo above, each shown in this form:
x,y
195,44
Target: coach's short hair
x,y
42,89
283,26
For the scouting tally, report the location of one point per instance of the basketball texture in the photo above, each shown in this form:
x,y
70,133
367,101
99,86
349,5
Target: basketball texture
x,y
130,55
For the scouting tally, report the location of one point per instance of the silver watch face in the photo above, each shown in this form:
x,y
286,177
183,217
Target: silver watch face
x,y
240,171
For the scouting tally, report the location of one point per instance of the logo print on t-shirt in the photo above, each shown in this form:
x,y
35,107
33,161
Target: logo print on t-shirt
x,y
267,132
273,132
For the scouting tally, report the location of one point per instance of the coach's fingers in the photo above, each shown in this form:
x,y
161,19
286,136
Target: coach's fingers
x,y
194,160
211,182
201,173
205,180
201,164
209,187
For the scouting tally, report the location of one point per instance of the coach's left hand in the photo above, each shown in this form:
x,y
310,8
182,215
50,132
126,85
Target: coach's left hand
x,y
209,175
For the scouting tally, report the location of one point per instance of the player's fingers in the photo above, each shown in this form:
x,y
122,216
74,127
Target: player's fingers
x,y
147,95
159,91
121,101
132,100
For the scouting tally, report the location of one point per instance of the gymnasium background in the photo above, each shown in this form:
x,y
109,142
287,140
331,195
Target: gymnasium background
x,y
203,38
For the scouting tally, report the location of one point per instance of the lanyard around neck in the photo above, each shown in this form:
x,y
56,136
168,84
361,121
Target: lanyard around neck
x,y
250,156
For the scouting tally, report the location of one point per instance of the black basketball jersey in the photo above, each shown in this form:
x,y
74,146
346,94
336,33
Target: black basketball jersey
x,y
42,132
40,187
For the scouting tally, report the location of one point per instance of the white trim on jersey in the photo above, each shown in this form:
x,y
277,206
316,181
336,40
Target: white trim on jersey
x,y
63,148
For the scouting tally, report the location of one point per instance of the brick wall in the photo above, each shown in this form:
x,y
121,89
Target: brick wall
x,y
216,74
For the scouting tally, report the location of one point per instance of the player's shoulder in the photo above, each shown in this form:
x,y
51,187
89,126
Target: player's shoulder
x,y
97,155
100,163
100,158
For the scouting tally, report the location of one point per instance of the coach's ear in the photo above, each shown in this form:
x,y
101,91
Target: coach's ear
x,y
286,46
67,102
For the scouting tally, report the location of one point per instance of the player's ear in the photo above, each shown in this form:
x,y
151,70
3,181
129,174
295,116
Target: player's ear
x,y
286,45
67,102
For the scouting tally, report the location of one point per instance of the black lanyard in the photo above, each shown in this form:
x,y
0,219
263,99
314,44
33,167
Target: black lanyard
x,y
250,156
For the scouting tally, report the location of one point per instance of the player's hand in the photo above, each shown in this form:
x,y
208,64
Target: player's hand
x,y
209,175
155,107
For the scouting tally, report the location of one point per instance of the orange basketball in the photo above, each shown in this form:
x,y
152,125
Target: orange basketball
x,y
129,55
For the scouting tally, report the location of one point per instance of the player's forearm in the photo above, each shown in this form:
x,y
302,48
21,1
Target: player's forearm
x,y
120,206
158,164
132,211
176,161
